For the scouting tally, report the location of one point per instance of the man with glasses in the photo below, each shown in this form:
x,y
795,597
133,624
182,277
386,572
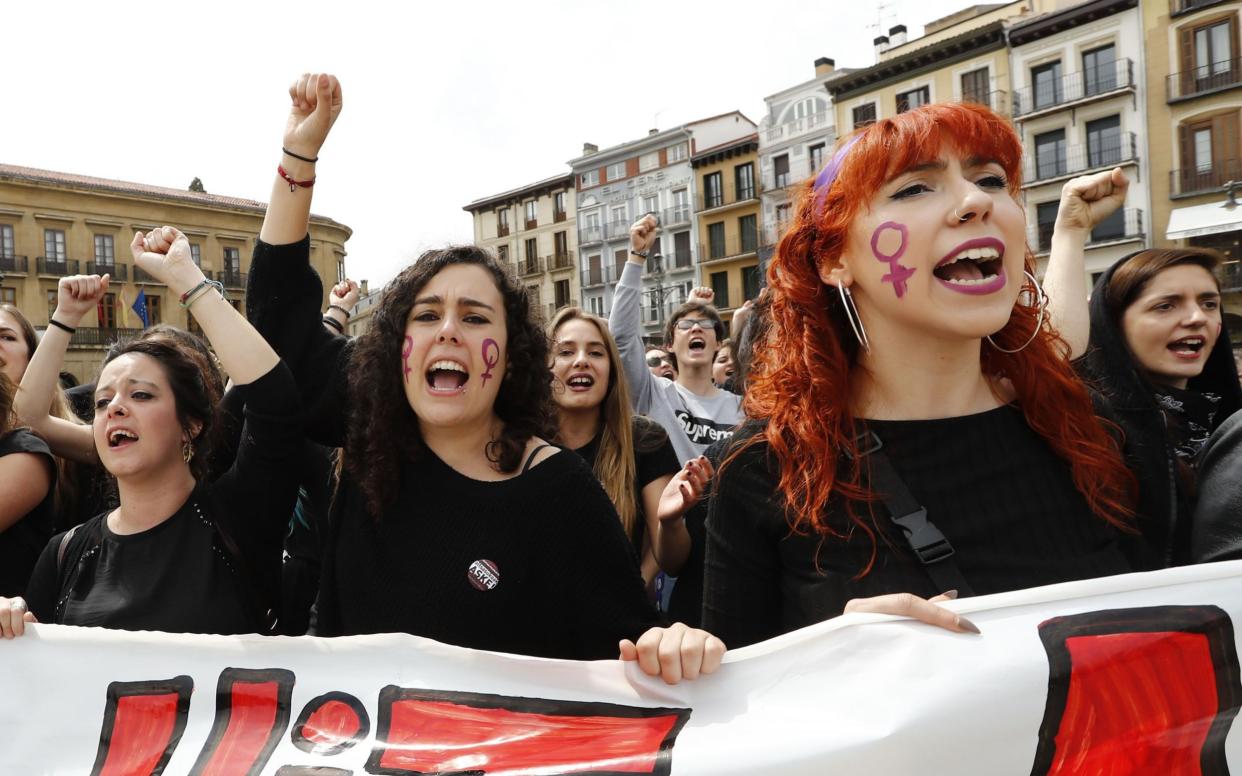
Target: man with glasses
x,y
693,411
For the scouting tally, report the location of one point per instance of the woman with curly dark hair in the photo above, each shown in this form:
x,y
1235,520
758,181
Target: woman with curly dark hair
x,y
454,519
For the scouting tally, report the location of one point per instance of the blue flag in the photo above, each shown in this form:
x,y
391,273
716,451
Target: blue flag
x,y
140,307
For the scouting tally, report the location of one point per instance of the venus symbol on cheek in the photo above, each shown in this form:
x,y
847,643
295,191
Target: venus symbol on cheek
x,y
491,355
895,238
406,350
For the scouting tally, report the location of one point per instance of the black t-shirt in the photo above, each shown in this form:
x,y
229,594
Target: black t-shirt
x,y
654,458
997,491
21,542
214,565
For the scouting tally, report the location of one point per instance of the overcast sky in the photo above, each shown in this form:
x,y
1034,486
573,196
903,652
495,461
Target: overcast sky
x,y
445,102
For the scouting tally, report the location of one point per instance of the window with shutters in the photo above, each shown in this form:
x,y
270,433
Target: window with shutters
x,y
975,86
1209,154
1208,56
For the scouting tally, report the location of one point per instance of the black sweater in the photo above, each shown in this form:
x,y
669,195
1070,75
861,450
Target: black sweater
x,y
1164,508
536,564
999,494
214,565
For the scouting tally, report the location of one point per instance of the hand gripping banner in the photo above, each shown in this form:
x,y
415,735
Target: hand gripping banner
x,y
1135,674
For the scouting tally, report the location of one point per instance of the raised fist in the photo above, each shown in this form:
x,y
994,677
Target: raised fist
x,y
1089,199
164,253
77,295
344,294
316,102
701,294
643,233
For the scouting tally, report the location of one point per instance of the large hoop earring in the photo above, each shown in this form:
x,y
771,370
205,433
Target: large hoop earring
x,y
851,314
1042,300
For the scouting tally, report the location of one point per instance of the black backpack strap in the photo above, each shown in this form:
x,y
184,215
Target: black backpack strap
x,y
531,458
60,551
930,546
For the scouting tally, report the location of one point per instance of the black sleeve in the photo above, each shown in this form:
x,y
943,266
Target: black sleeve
x,y
742,577
653,464
1216,531
44,584
606,601
255,498
283,301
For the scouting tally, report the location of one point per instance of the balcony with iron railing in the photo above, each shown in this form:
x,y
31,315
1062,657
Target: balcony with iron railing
x,y
555,307
1183,7
100,337
559,261
1125,225
117,271
59,267
1230,274
502,230
1040,168
232,278
1074,89
531,265
1201,180
1209,79
531,223
674,216
559,216
18,265
598,276
732,247
588,235
734,196
814,122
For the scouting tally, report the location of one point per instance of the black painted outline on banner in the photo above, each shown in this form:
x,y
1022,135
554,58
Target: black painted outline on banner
x,y
284,680
1210,621
392,694
181,686
299,739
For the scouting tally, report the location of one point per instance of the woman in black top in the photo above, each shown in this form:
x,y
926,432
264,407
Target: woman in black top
x,y
453,519
1160,355
631,456
900,311
27,479
178,554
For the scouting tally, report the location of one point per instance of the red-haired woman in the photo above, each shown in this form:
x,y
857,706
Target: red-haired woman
x,y
911,387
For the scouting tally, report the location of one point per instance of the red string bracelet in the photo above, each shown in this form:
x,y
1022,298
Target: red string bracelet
x,y
293,184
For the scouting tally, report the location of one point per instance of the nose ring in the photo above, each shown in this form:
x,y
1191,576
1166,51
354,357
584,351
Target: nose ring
x,y
962,218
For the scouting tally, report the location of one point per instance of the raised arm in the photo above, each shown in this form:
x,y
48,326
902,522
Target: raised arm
x,y
625,321
75,297
1085,202
341,301
316,103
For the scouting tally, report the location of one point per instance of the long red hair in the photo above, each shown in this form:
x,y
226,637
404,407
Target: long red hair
x,y
800,384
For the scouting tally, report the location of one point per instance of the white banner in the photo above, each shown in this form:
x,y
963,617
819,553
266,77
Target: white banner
x,y
1136,674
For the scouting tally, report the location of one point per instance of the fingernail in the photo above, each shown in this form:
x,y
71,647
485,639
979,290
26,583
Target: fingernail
x,y
967,625
950,594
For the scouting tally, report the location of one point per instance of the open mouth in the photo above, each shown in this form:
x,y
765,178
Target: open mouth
x,y
1188,347
977,266
447,377
697,344
580,383
121,437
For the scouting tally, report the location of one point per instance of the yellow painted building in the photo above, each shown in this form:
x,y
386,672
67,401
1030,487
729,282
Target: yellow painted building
x,y
54,224
728,212
1194,102
533,230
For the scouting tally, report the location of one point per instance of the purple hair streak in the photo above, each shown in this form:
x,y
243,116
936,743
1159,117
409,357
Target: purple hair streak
x,y
823,181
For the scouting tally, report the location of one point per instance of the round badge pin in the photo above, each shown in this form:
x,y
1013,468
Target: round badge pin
x,y
483,575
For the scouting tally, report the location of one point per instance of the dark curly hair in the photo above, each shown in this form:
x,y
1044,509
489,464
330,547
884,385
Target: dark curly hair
x,y
383,430
195,386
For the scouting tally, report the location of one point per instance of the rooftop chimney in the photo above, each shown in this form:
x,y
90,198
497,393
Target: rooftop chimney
x,y
897,35
362,288
652,131
589,148
824,66
881,44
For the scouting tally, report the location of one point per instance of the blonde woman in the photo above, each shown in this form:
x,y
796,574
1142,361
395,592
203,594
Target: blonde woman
x,y
631,455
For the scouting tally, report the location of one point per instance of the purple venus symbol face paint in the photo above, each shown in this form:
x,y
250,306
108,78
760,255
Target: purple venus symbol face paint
x,y
406,350
491,355
898,274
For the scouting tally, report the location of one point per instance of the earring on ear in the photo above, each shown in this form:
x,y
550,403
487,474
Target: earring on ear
x,y
187,451
851,315
1041,299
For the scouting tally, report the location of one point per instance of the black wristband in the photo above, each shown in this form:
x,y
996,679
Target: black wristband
x,y
298,156
61,326
334,323
342,310
639,254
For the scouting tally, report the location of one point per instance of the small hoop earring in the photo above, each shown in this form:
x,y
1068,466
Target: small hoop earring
x,y
187,451
851,314
960,218
1042,300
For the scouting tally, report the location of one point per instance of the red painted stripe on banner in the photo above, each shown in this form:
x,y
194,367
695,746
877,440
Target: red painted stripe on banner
x,y
1137,703
442,737
141,733
254,712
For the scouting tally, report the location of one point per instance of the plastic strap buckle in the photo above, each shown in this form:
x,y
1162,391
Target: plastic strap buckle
x,y
924,538
867,443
